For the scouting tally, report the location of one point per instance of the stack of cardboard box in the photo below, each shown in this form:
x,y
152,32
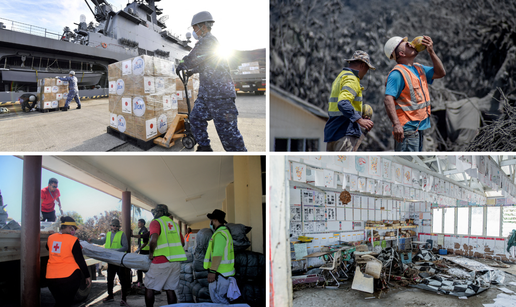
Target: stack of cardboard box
x,y
143,96
52,93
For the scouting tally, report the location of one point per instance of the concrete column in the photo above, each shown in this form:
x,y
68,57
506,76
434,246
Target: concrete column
x,y
30,232
248,197
126,216
279,245
230,203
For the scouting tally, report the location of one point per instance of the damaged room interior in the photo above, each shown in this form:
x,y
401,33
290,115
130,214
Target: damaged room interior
x,y
384,230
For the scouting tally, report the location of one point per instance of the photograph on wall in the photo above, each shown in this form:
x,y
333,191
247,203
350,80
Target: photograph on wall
x,y
320,226
318,198
295,229
397,172
329,179
330,199
319,214
361,184
361,164
295,214
353,183
331,214
374,166
407,175
308,197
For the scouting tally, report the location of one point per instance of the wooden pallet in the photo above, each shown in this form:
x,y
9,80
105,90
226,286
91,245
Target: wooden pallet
x,y
174,132
144,145
48,110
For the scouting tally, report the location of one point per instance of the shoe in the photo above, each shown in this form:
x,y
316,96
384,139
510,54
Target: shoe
x,y
204,148
64,109
108,299
124,303
157,292
78,107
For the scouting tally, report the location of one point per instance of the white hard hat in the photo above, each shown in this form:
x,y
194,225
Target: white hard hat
x,y
32,98
102,234
72,73
391,45
202,17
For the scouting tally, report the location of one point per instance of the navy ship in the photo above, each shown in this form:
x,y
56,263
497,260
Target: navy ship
x,y
29,53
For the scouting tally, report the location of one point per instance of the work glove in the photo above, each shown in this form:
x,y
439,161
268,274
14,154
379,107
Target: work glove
x,y
180,67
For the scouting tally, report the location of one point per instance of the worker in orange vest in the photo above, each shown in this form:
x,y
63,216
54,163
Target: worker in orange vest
x,y
407,99
187,238
65,263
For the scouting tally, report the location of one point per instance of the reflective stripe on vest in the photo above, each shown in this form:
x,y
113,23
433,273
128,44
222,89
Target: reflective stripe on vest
x,y
117,241
169,242
61,263
227,264
146,247
413,104
336,89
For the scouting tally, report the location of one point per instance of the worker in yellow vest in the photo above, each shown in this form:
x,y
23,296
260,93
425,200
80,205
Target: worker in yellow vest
x,y
116,240
65,263
166,253
143,246
220,258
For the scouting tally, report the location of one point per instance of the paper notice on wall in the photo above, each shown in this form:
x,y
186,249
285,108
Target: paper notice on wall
x,y
340,214
113,120
298,172
301,251
333,225
295,196
126,67
126,105
319,178
150,128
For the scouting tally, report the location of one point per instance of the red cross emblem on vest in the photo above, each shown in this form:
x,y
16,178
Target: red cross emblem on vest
x,y
170,226
56,248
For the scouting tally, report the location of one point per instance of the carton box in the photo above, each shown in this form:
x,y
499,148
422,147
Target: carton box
x,y
142,96
52,93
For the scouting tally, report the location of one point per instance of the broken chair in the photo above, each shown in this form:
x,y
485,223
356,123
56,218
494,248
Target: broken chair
x,y
331,268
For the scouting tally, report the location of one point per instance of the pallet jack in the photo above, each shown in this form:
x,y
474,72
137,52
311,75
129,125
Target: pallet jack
x,y
180,127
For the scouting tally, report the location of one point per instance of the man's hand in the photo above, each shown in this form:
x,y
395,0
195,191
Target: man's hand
x,y
151,256
398,133
211,277
89,240
365,123
427,41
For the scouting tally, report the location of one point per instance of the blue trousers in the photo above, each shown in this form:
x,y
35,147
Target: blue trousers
x,y
224,114
412,141
72,95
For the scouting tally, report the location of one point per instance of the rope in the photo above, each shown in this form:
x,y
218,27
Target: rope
x,y
122,260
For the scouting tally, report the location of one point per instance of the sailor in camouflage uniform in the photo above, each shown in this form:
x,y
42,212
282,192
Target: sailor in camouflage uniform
x,y
73,90
216,99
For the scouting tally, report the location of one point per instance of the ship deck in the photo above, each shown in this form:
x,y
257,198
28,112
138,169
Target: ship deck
x,y
84,130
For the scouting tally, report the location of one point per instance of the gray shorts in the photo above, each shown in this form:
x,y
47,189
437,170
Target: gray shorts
x,y
343,144
163,276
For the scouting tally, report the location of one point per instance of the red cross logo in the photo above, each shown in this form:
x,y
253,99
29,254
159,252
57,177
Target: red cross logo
x,y
170,226
57,247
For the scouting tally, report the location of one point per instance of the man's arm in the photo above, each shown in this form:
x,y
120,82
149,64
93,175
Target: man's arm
x,y
125,245
59,203
391,112
439,71
346,95
219,243
152,245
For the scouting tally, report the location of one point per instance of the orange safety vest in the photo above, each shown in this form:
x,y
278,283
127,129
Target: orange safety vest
x,y
188,237
413,104
61,263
